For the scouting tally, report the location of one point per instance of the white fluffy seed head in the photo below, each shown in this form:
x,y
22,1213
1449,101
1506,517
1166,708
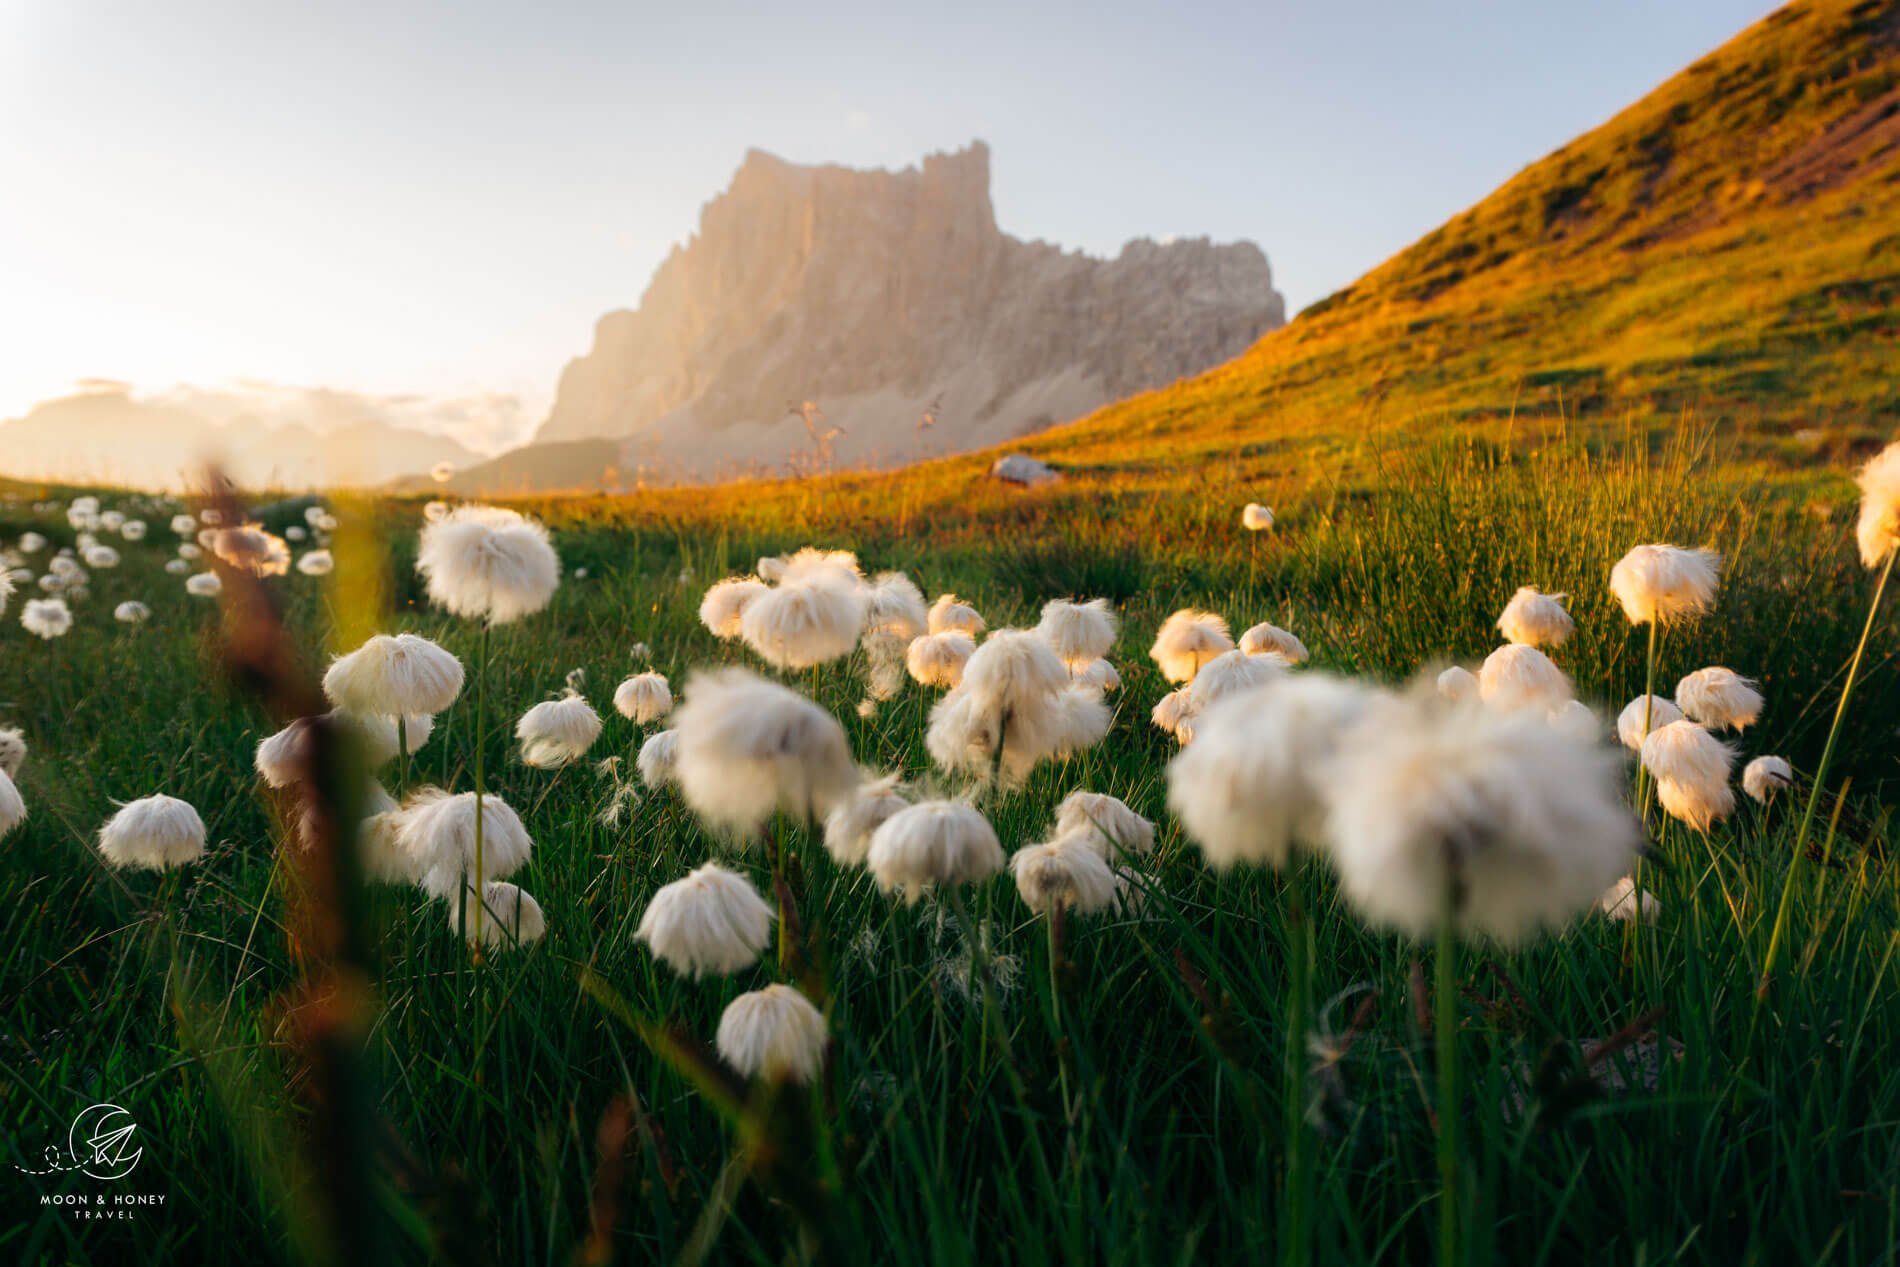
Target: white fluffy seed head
x,y
322,563
1067,872
774,1034
204,585
1692,770
834,567
487,563
399,674
1187,640
508,916
1267,639
1629,722
12,750
1665,583
12,805
1232,673
1459,684
153,833
937,659
1519,676
711,921
1172,710
1079,633
849,826
1099,674
722,610
101,557
1577,720
1719,698
1106,823
749,747
1256,518
644,698
184,525
659,759
1248,788
437,832
933,844
805,622
249,548
894,606
1015,669
950,614
557,731
131,612
47,618
1498,816
1764,776
1536,619
1878,528
1621,902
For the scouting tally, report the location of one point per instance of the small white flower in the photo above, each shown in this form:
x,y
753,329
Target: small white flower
x,y
774,1034
711,921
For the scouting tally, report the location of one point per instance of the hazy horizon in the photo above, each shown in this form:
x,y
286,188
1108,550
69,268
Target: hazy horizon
x,y
422,212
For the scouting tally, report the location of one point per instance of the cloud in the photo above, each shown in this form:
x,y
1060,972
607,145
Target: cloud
x,y
487,422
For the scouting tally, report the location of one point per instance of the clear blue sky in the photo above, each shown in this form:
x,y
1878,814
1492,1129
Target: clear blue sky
x,y
441,198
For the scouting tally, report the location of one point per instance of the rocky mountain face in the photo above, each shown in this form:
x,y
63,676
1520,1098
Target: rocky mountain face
x,y
824,316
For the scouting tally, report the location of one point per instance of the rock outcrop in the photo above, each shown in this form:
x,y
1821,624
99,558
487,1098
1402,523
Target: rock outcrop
x,y
824,316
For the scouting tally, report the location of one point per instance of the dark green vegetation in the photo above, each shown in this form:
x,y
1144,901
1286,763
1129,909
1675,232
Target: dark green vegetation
x,y
186,1004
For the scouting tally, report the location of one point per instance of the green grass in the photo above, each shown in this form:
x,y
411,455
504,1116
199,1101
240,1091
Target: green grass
x,y
188,1006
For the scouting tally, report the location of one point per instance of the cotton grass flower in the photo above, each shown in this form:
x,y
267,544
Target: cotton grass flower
x,y
1012,709
1692,770
1172,710
895,606
185,525
1249,789
1494,820
131,612
190,550
659,759
176,567
950,614
204,585
1629,723
1067,872
296,532
1099,674
1764,776
710,922
774,1034
153,833
937,659
46,618
1535,619
490,564
1079,633
1660,584
101,558
749,747
1459,684
933,844
133,530
1719,698
321,563
1577,720
1187,640
1520,676
1256,518
557,731
437,832
1267,639
722,610
509,916
12,805
31,543
249,548
1106,822
1233,673
643,698
1878,528
12,750
849,826
1622,903
834,567
395,674
804,623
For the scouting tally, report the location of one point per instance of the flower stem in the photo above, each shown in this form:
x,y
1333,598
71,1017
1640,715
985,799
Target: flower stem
x,y
1445,1008
481,733
1298,1245
1814,793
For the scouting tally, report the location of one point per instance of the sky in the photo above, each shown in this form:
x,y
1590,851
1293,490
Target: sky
x,y
435,201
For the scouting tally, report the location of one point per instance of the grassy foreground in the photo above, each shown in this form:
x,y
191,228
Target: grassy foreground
x,y
1695,1137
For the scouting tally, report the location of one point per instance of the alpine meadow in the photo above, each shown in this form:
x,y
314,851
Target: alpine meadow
x,y
1418,791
